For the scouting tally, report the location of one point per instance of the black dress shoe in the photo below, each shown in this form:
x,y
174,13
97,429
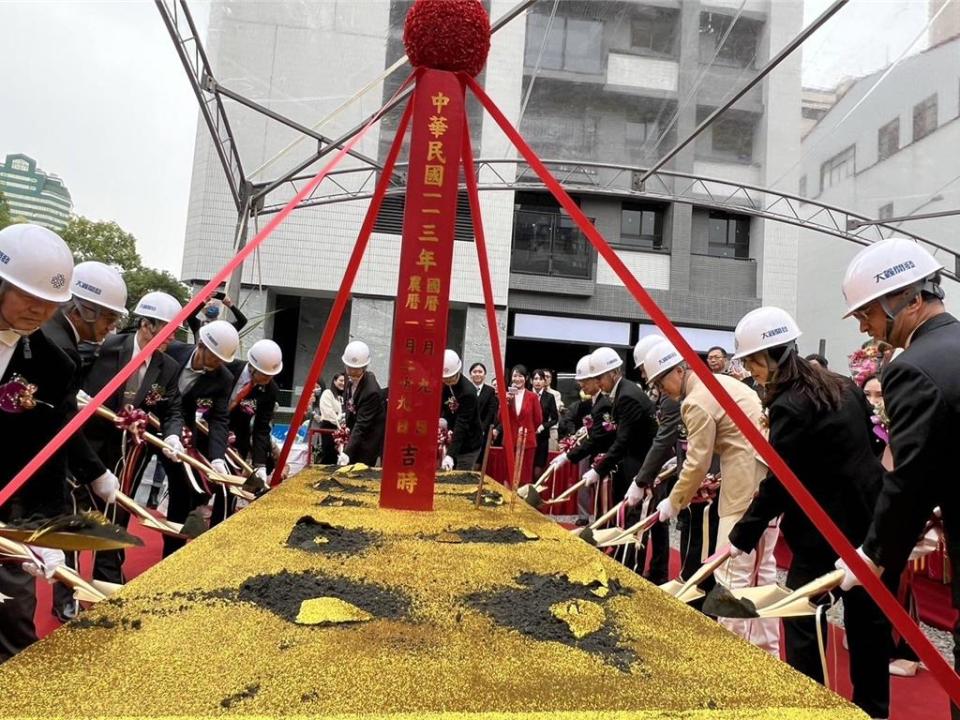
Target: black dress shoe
x,y
65,613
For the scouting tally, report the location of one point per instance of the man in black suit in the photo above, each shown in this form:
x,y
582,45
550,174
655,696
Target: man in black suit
x,y
632,414
152,388
488,405
365,408
98,301
252,404
892,288
35,276
459,409
204,381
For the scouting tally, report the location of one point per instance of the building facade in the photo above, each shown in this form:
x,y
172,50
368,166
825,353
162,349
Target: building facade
x,y
881,151
34,195
600,89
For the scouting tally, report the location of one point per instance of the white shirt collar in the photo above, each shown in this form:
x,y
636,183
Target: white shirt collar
x,y
9,337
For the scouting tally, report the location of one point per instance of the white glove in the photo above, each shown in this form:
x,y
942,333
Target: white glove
x,y
219,466
446,463
539,429
634,495
261,473
591,476
735,552
343,459
667,510
45,562
559,461
175,446
106,487
849,579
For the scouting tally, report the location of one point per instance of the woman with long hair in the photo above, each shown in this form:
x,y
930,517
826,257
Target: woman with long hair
x,y
819,423
551,415
525,412
328,412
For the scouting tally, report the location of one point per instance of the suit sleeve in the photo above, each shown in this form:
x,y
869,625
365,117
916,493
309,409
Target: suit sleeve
x,y
193,322
701,433
537,411
596,441
366,415
787,431
260,443
218,423
239,319
493,412
664,444
917,416
552,415
631,414
467,408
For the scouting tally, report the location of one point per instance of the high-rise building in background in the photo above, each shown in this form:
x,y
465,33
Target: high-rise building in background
x,y
34,195
601,88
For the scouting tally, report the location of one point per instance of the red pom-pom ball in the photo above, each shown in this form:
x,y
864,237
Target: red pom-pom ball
x,y
449,35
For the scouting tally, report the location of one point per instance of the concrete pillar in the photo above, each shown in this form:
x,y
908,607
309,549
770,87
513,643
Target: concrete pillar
x,y
476,343
371,320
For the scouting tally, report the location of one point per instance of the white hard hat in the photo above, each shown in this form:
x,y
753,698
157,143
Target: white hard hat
x,y
584,369
603,359
37,261
659,359
763,328
158,306
220,338
643,347
100,284
884,267
265,356
356,354
451,363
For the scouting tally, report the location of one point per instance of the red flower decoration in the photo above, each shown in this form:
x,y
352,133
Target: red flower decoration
x,y
451,35
134,421
17,395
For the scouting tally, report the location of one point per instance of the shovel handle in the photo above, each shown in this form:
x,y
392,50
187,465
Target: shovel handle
x,y
642,526
567,493
606,516
704,571
63,574
821,584
543,478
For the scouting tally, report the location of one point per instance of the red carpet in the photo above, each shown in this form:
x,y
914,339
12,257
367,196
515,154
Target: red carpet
x,y
916,698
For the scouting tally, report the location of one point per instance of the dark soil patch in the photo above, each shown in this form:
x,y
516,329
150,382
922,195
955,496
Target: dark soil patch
x,y
368,474
316,536
527,610
489,498
331,485
86,622
247,693
282,594
461,477
502,536
334,501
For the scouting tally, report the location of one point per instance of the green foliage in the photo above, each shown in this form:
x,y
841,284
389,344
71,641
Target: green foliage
x,y
5,218
103,241
111,244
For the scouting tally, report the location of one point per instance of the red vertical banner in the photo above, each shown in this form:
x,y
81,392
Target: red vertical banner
x,y
423,293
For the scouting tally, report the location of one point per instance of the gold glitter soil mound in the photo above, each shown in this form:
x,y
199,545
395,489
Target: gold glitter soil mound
x,y
354,611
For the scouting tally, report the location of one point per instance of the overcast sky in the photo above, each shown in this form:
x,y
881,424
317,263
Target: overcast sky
x,y
95,93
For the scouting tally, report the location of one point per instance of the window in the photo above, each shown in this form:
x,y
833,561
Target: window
x,y
730,136
20,164
726,45
924,117
574,44
641,226
653,31
888,139
546,241
885,212
840,166
729,235
802,187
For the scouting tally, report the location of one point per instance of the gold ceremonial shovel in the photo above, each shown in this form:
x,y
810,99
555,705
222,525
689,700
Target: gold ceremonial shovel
x,y
688,591
159,524
566,493
86,531
769,601
625,537
62,574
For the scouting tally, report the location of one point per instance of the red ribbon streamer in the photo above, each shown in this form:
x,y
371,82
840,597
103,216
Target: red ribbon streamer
x,y
480,239
145,353
945,675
